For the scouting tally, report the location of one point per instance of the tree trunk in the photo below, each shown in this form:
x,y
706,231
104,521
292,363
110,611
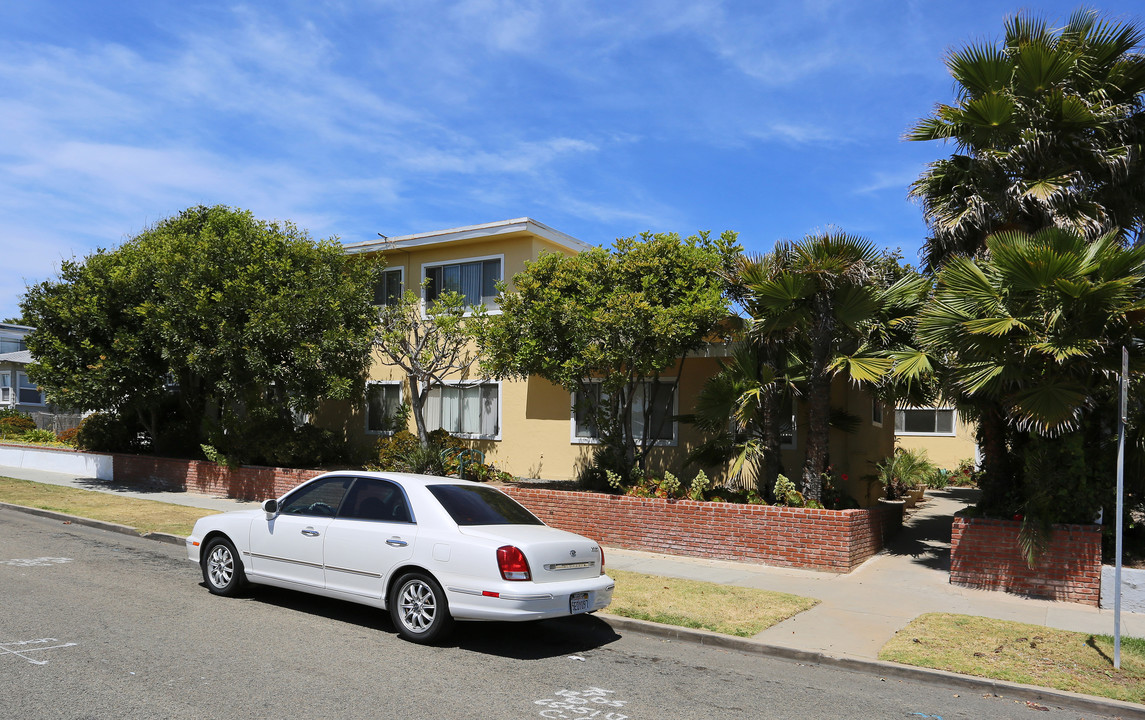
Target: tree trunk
x,y
818,435
417,406
772,440
624,412
998,480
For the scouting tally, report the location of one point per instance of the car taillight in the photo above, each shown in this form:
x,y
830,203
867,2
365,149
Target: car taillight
x,y
602,561
512,563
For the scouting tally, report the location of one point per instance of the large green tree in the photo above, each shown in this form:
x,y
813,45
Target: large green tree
x,y
1049,131
205,318
609,324
833,303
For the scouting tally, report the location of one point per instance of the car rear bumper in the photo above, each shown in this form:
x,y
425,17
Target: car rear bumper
x,y
526,601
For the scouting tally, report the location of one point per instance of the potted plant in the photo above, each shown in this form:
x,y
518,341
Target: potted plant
x,y
904,472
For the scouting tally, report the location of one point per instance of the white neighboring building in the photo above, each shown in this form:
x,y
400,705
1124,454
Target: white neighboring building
x,y
17,391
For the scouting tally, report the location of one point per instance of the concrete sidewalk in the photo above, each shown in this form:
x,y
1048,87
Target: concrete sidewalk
x,y
858,612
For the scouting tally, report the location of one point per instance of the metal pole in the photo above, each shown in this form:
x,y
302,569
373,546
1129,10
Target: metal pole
x,y
1122,413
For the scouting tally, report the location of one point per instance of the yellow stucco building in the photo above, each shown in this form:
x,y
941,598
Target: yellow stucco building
x,y
946,438
529,428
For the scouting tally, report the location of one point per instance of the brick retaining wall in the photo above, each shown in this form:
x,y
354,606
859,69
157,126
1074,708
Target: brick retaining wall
x,y
245,482
833,540
985,553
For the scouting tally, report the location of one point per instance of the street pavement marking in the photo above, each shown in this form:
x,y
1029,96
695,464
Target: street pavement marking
x,y
35,562
591,703
7,648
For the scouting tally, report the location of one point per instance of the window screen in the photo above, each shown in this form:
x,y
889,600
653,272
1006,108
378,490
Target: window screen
x,y
476,280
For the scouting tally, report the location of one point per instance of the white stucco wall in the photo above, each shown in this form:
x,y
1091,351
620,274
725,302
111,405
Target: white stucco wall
x,y
1132,589
58,461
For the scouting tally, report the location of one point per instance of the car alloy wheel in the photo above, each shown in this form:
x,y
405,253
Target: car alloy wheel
x,y
419,609
221,569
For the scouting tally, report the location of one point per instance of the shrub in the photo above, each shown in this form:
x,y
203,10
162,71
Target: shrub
x,y
38,436
941,479
786,494
389,450
68,437
605,460
490,473
14,423
424,459
401,452
105,432
965,474
700,484
265,436
905,470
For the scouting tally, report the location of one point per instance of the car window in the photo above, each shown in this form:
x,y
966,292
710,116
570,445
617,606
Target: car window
x,y
320,498
373,499
477,505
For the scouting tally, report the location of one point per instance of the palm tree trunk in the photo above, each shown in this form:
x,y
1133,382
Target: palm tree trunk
x,y
818,435
772,439
998,480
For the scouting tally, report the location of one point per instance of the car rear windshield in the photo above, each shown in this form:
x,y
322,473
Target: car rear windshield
x,y
469,505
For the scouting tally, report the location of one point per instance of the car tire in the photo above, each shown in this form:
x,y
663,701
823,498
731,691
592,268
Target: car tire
x,y
222,569
419,609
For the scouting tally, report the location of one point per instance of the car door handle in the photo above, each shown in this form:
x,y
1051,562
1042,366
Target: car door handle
x,y
310,533
395,542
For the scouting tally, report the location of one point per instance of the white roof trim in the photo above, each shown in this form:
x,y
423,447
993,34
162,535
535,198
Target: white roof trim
x,y
20,357
469,232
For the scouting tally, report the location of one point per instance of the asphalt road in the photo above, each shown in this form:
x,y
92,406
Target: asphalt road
x,y
99,625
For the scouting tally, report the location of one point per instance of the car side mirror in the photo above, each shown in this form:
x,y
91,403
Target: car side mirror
x,y
270,507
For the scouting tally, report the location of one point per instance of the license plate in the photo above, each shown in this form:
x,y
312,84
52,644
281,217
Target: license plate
x,y
578,602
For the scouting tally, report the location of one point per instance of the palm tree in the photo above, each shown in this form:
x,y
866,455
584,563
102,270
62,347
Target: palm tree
x,y
1030,335
742,408
829,302
1049,129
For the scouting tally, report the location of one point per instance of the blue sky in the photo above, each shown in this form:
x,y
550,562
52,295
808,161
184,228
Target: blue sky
x,y
356,118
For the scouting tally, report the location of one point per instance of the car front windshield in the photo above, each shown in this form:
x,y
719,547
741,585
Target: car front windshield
x,y
477,505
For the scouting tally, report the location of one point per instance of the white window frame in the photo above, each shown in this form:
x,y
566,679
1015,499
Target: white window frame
x,y
18,386
400,269
673,412
6,389
953,422
366,414
492,310
471,383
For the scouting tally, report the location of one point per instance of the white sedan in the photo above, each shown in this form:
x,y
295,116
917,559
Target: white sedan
x,y
430,549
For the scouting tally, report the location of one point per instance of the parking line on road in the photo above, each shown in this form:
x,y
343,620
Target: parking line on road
x,y
35,562
6,648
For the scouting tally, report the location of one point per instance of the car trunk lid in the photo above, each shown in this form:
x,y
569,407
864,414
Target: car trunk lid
x,y
553,555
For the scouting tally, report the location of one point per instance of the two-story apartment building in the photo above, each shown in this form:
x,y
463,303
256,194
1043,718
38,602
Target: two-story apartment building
x,y
530,428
